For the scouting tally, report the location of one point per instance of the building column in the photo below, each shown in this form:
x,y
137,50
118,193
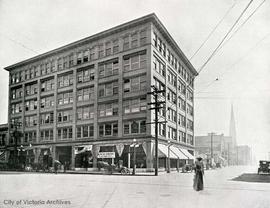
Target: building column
x,y
72,165
95,151
149,156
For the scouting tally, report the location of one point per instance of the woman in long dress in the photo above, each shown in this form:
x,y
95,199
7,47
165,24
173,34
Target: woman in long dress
x,y
198,178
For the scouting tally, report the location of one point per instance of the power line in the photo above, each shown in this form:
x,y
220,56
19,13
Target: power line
x,y
19,43
219,45
236,62
213,30
257,8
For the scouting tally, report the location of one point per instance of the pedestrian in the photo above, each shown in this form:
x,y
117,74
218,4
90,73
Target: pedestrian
x,y
198,177
56,163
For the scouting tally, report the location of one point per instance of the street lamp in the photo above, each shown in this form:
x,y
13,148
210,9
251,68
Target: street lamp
x,y
134,145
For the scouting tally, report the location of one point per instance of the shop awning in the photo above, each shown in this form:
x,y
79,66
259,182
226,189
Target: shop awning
x,y
190,156
178,153
162,150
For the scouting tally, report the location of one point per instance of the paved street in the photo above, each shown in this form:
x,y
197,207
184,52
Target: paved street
x,y
166,190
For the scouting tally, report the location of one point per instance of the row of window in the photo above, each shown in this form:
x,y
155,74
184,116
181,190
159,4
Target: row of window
x,y
107,129
171,58
105,49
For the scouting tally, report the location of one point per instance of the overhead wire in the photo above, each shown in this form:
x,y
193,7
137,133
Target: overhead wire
x,y
236,62
19,43
256,9
224,38
212,31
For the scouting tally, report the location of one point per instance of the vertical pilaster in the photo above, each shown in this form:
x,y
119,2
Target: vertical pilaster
x,y
149,156
96,103
38,111
120,98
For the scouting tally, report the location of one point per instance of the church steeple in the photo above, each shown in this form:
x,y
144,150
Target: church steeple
x,y
232,132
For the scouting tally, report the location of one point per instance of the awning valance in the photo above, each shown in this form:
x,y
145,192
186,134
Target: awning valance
x,y
190,156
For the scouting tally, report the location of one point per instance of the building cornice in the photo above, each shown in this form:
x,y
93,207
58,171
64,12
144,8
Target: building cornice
x,y
145,19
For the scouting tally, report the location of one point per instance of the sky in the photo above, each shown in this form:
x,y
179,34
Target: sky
x,y
237,75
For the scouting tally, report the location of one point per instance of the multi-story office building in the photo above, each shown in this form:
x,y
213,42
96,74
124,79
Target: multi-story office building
x,y
89,97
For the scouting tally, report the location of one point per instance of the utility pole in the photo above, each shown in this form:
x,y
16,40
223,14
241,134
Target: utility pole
x,y
157,105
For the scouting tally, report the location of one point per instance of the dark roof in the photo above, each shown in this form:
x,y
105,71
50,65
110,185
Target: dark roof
x,y
148,18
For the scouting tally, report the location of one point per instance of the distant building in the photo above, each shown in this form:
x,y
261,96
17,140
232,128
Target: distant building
x,y
244,156
212,146
89,97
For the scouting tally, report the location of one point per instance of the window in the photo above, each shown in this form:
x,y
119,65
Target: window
x,y
30,105
86,56
134,127
181,104
16,108
172,115
189,110
135,84
59,64
85,113
171,133
108,129
155,39
101,51
134,40
171,78
109,109
115,46
108,49
181,87
31,89
30,137
135,61
159,66
162,129
64,133
159,85
47,102
46,135
65,98
181,120
126,43
47,85
85,94
108,89
92,53
189,95
171,96
16,93
86,74
85,131
65,80
65,116
108,69
46,118
30,121
190,125
182,136
134,105
71,60
79,57
143,37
